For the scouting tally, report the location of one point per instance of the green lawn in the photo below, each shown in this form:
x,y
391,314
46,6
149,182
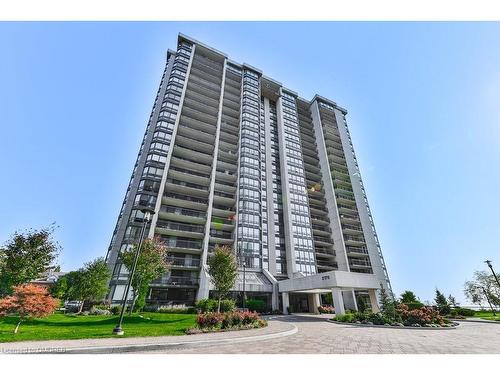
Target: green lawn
x,y
60,326
487,315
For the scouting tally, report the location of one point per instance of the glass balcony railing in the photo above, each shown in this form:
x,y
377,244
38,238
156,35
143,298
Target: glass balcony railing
x,y
183,211
180,227
183,262
183,244
185,197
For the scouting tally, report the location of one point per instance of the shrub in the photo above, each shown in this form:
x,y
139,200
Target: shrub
x,y
462,311
97,311
414,305
326,309
227,305
256,305
116,310
28,301
346,318
206,305
228,320
422,316
176,310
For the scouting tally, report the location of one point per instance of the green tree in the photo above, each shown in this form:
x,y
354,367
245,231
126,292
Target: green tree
x,y
89,283
442,303
387,304
151,264
481,288
452,301
361,303
223,270
409,297
26,256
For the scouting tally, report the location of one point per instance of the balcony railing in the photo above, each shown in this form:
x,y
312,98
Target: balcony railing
x,y
180,280
183,211
357,250
353,238
180,227
183,262
357,262
185,197
353,227
183,244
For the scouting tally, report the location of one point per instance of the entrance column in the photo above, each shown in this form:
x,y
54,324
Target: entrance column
x,y
314,303
338,301
373,300
286,302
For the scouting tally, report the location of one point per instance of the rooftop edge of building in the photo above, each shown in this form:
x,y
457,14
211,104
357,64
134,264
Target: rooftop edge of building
x,y
183,37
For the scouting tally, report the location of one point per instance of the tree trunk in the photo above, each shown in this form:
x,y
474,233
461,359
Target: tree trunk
x,y
218,306
17,327
134,299
81,307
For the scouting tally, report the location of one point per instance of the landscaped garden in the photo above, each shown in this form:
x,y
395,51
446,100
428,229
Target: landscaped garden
x,y
78,326
33,312
407,311
488,315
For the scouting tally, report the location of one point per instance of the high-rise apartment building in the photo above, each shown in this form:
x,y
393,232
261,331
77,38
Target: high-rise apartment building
x,y
231,156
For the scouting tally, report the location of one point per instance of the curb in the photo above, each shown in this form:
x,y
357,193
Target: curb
x,y
395,327
476,321
130,348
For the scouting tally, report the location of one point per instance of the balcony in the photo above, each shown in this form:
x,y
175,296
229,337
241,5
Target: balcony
x,y
185,201
189,154
181,262
346,199
321,230
359,263
326,266
349,219
348,209
354,240
321,219
193,144
219,236
189,176
182,214
179,229
352,229
323,241
182,187
222,224
357,251
222,210
190,164
177,281
184,246
323,253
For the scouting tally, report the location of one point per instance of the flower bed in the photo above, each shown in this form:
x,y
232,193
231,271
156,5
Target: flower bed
x,y
402,317
326,309
228,321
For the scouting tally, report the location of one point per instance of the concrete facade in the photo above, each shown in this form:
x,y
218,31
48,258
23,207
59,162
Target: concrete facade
x,y
232,157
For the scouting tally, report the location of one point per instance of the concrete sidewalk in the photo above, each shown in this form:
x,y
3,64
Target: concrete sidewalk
x,y
275,329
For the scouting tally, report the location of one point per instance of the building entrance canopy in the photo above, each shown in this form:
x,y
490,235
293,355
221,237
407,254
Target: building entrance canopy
x,y
340,283
325,282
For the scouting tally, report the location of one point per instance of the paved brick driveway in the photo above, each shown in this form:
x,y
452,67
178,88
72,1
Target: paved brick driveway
x,y
315,335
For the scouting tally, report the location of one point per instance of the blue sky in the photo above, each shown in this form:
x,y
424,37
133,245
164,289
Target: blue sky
x,y
424,114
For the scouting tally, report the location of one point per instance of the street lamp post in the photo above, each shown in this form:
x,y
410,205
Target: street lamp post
x,y
147,215
489,302
241,257
488,262
244,278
